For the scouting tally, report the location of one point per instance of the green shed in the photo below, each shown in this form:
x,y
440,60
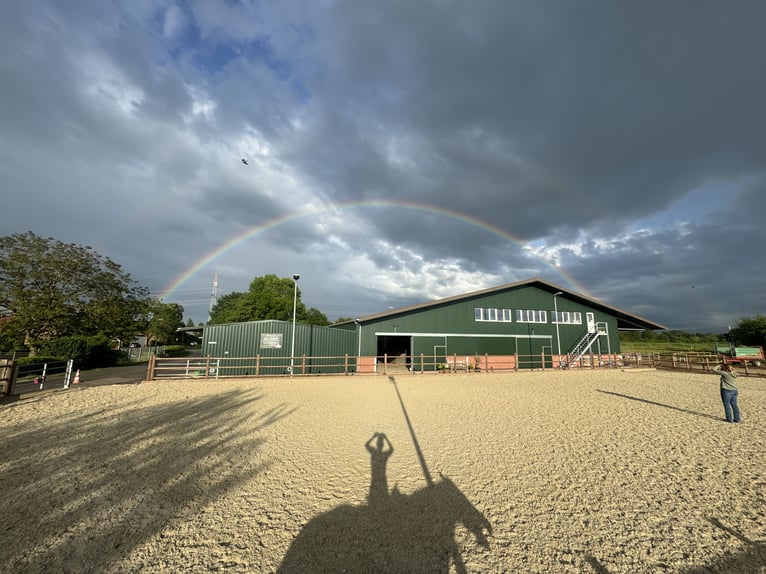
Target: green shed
x,y
318,350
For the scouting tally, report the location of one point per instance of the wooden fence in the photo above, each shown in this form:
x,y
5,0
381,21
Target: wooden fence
x,y
691,361
16,379
163,368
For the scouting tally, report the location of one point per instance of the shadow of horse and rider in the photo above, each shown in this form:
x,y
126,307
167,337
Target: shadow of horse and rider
x,y
393,532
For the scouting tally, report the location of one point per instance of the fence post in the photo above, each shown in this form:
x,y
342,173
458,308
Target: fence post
x,y
516,360
257,364
421,363
542,359
150,368
8,370
207,367
385,363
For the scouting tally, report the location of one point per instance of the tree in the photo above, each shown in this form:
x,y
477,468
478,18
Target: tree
x,y
164,321
51,289
11,338
750,331
316,317
269,297
230,308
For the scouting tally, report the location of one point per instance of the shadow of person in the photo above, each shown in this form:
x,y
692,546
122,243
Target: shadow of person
x,y
393,533
379,454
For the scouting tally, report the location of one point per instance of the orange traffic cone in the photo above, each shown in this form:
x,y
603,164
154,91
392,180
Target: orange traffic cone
x,y
76,377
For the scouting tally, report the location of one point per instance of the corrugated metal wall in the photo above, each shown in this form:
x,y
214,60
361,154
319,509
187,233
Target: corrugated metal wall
x,y
272,342
457,317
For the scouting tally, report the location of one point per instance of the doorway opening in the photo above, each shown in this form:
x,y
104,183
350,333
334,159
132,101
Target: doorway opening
x,y
397,348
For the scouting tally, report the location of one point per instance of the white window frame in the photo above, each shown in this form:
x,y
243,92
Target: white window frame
x,y
493,314
566,318
531,316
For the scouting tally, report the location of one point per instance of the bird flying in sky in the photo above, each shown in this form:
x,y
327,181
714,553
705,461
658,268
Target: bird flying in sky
x,y
245,161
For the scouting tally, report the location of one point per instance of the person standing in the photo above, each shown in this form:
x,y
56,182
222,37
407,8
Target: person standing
x,y
729,391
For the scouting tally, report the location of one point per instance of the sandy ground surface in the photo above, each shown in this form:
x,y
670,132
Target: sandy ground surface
x,y
604,472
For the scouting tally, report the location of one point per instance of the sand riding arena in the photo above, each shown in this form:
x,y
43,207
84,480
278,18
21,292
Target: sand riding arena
x,y
604,471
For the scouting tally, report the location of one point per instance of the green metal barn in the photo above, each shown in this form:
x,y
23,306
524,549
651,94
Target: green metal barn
x,y
544,322
528,324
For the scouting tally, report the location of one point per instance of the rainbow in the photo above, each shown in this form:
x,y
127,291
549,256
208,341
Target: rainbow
x,y
232,243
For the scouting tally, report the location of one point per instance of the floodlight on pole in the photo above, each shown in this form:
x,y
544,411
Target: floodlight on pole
x,y
556,314
295,304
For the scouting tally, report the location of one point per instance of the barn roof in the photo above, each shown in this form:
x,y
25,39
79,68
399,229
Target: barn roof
x,y
625,320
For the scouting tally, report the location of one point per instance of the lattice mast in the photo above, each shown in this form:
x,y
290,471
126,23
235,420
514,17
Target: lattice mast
x,y
213,296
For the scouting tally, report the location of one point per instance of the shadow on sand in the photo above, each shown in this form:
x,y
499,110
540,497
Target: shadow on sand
x,y
752,559
394,532
647,401
82,493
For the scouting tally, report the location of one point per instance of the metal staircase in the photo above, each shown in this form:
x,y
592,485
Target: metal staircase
x,y
584,344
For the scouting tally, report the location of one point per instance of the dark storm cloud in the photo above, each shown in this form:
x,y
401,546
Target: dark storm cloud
x,y
584,129
582,105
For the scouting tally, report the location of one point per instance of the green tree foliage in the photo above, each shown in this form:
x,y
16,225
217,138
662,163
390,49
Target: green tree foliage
x,y
750,331
669,340
164,321
11,336
269,297
231,308
315,317
51,289
672,336
87,352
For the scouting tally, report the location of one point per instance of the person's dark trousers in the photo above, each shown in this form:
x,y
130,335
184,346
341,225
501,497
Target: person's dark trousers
x,y
730,406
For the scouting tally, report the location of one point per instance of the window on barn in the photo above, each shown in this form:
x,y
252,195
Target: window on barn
x,y
491,314
567,317
530,316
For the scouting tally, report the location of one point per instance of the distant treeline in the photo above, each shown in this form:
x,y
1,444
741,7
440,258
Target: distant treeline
x,y
749,331
670,337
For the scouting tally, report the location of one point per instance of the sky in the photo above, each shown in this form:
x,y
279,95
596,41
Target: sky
x,y
397,151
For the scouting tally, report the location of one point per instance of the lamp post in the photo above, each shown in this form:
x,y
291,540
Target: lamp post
x,y
358,324
295,303
359,337
556,313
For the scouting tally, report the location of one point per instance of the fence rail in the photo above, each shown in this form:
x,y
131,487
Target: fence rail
x,y
689,361
163,368
19,379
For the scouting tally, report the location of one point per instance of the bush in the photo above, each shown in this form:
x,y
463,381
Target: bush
x,y
87,352
38,359
175,351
